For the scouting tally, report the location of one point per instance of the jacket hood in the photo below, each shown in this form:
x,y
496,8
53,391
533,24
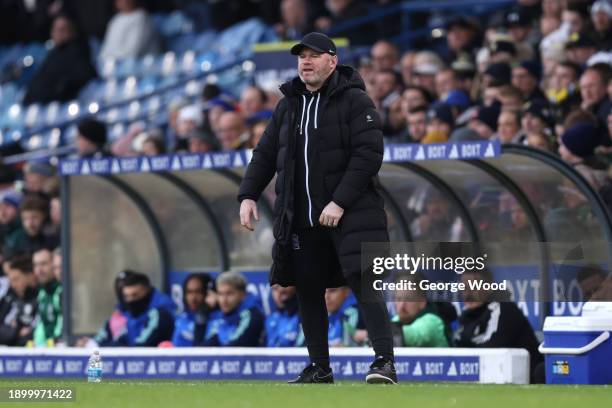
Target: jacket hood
x,y
343,78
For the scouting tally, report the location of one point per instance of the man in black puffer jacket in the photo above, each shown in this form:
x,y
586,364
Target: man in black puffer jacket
x,y
325,143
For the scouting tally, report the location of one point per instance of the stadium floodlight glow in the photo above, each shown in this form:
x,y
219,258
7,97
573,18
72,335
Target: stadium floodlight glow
x,y
28,60
35,141
205,66
212,79
248,66
437,33
93,108
16,136
15,110
54,139
73,109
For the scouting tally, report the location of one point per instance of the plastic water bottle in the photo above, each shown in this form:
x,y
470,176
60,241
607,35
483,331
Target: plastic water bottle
x,y
94,367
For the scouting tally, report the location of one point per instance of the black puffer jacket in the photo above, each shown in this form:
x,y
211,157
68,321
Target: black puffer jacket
x,y
346,152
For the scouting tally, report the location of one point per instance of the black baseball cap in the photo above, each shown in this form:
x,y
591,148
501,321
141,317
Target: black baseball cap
x,y
318,42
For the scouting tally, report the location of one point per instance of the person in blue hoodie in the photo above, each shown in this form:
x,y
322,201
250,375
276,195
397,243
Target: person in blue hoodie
x,y
199,300
144,317
343,317
239,322
283,327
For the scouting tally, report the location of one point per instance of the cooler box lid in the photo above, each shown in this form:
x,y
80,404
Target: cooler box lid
x,y
597,309
578,324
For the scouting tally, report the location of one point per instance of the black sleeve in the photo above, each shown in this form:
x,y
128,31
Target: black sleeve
x,y
366,149
8,333
262,167
250,334
160,327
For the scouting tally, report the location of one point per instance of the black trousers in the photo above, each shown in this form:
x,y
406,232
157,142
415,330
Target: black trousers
x,y
315,256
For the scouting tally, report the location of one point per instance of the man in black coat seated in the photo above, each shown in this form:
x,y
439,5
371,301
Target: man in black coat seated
x,y
66,69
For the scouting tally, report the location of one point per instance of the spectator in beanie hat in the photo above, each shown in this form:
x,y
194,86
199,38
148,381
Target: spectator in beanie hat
x,y
520,27
579,142
537,117
502,50
485,121
497,74
36,174
440,122
91,138
580,47
577,147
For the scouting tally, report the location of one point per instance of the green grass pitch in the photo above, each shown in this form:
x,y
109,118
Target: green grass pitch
x,y
237,394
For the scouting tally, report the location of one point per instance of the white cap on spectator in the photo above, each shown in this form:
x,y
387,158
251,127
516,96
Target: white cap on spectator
x,y
600,57
602,5
427,63
191,113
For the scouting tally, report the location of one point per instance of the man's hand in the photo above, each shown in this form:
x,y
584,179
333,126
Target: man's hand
x,y
248,207
331,214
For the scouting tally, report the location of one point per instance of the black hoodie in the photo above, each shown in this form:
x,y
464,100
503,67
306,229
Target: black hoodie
x,y
335,134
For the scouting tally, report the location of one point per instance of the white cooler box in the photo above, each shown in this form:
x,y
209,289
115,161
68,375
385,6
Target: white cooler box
x,y
578,350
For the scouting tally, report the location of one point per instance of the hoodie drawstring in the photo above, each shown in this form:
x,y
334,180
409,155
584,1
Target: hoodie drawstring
x,y
303,111
316,109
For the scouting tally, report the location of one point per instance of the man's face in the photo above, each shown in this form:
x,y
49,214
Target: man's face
x,y
438,127
134,293
445,82
507,126
7,213
335,297
231,127
601,21
407,311
426,81
195,294
32,222
383,57
293,12
413,98
43,266
61,31
580,55
510,102
280,295
385,84
19,281
250,102
417,125
564,76
314,68
229,297
532,123
522,79
34,182
458,37
592,88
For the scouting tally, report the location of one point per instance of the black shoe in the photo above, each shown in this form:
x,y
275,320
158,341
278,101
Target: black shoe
x,y
314,374
382,371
